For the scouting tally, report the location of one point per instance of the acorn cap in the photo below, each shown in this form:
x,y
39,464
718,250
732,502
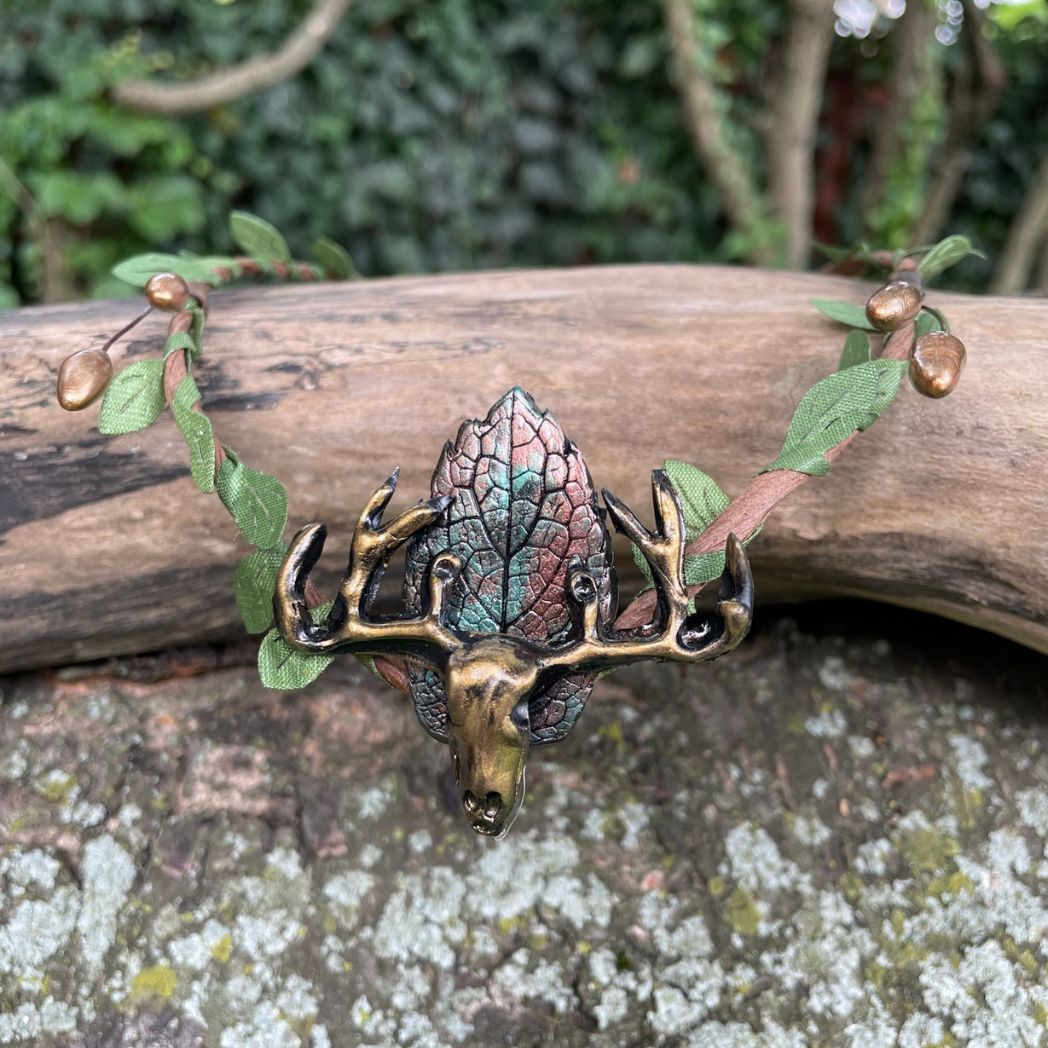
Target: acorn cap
x,y
893,305
83,377
936,362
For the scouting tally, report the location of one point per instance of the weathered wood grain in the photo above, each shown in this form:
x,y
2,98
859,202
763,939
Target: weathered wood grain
x,y
106,546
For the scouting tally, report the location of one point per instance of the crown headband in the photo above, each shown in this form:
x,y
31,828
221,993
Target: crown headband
x,y
510,590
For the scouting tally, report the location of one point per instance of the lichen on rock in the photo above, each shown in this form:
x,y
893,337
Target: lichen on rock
x,y
837,841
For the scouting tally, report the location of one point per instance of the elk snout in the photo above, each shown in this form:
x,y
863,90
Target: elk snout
x,y
489,730
483,810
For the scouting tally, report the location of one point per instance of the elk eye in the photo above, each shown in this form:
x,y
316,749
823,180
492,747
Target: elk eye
x,y
520,718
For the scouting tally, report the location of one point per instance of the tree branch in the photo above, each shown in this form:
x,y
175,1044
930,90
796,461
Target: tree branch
x,y
1027,231
227,85
794,101
911,71
1041,283
974,94
726,167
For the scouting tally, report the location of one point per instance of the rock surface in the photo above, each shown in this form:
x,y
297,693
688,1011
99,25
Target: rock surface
x,y
821,840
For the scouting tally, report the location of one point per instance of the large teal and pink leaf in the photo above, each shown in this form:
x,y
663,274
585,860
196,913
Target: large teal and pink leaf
x,y
524,509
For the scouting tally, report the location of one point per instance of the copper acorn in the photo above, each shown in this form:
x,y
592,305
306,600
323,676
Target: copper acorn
x,y
936,362
167,291
83,377
893,305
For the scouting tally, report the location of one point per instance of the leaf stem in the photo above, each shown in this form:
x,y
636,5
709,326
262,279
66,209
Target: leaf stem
x,y
126,328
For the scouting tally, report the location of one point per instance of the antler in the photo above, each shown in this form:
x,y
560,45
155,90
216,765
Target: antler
x,y
676,636
348,626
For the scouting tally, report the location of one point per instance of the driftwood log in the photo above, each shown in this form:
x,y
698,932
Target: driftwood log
x,y
106,546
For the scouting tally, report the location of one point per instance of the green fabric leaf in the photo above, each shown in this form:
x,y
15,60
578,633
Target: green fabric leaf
x,y
197,334
179,340
254,580
210,264
284,667
196,428
134,398
856,350
701,497
843,312
927,322
257,238
138,269
698,569
946,253
702,500
705,567
334,259
847,400
256,501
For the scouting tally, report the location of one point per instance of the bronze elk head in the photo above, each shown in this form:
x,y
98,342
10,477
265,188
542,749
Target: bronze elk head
x,y
511,594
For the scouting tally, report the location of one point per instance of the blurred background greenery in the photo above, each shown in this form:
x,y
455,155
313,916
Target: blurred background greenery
x,y
463,134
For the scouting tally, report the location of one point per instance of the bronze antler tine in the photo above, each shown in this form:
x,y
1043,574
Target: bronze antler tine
x,y
669,514
737,578
734,611
371,517
625,520
736,597
289,601
349,625
668,557
399,530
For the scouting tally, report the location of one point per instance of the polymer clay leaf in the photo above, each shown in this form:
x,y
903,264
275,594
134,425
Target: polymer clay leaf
x,y
284,667
843,312
524,509
256,501
833,408
196,428
133,399
253,583
257,237
856,350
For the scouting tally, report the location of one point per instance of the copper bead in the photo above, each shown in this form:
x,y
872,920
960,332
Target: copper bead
x,y
83,377
167,291
893,305
936,362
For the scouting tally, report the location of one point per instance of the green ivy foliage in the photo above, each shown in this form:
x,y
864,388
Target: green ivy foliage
x,y
452,134
425,136
1004,162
